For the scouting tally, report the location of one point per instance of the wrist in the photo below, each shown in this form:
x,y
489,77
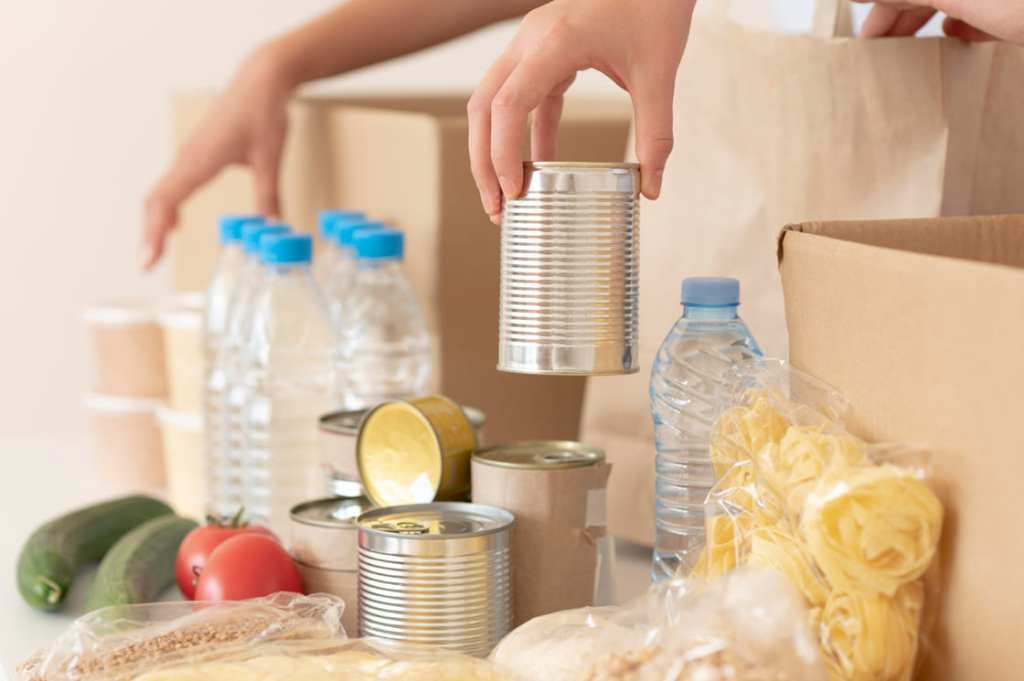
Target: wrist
x,y
273,67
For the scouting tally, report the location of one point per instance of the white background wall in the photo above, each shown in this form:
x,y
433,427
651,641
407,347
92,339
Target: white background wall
x,y
85,128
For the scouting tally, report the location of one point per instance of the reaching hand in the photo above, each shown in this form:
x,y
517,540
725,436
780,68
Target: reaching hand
x,y
247,125
636,44
966,19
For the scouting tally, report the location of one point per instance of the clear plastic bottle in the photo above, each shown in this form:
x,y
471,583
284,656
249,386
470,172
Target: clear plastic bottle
x,y
327,255
687,384
288,382
225,467
339,284
384,347
227,276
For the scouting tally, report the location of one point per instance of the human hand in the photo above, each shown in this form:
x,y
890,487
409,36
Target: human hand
x,y
247,125
966,19
636,44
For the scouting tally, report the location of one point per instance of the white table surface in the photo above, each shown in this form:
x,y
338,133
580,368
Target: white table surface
x,y
46,477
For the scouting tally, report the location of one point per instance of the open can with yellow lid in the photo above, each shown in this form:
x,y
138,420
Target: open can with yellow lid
x,y
415,452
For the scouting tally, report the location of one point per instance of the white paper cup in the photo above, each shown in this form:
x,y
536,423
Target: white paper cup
x,y
128,348
181,323
184,465
126,440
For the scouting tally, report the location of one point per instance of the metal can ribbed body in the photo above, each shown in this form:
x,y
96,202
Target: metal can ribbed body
x,y
437,574
570,271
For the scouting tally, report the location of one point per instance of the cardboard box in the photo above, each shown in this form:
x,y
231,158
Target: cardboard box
x,y
920,324
405,160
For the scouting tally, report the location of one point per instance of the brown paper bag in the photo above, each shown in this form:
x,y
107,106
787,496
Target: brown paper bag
x,y
772,129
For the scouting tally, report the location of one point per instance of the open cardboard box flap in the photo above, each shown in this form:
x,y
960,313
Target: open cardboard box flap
x,y
920,324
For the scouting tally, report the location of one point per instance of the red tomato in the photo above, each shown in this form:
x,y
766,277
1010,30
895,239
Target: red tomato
x,y
247,566
195,551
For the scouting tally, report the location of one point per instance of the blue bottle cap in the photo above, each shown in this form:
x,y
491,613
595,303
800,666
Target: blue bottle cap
x,y
286,249
343,233
711,291
327,220
251,235
378,244
230,226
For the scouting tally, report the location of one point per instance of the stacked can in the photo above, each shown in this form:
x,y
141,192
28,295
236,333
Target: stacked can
x,y
570,271
324,543
436,574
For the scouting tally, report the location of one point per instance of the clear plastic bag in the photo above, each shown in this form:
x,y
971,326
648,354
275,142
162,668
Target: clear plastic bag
x,y
748,626
284,637
855,527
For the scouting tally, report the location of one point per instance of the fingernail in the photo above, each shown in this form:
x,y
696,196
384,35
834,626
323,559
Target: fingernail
x,y
496,218
492,204
146,255
507,188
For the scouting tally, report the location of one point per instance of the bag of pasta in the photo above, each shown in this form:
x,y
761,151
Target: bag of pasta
x,y
284,637
854,526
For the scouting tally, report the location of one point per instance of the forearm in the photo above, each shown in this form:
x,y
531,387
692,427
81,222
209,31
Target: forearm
x,y
363,32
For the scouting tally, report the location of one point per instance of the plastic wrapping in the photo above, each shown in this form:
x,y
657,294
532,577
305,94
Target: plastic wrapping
x,y
284,637
748,626
855,527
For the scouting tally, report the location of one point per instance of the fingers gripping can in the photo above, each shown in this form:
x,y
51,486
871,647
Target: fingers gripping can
x,y
570,271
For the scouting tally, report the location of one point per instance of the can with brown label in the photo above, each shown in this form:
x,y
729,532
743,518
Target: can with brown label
x,y
415,452
436,574
556,491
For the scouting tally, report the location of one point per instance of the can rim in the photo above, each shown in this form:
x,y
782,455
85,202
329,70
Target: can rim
x,y
295,513
585,165
598,455
500,515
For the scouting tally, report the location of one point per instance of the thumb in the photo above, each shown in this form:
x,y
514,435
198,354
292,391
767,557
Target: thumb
x,y
652,110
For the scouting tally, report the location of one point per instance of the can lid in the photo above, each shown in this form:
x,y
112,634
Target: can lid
x,y
331,512
399,455
540,454
439,520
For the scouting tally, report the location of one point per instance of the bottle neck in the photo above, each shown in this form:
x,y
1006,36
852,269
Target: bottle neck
x,y
379,263
711,312
291,269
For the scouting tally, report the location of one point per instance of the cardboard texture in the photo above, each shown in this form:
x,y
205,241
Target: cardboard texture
x,y
920,325
559,517
406,161
772,129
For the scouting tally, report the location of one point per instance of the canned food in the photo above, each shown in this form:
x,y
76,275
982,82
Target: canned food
x,y
570,271
324,532
338,431
556,563
437,574
341,583
415,452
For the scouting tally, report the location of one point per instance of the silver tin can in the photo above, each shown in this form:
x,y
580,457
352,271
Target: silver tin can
x,y
436,574
570,271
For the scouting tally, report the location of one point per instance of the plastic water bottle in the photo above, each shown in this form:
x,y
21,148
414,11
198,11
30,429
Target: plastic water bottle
x,y
224,462
327,255
338,288
384,348
687,384
227,277
288,382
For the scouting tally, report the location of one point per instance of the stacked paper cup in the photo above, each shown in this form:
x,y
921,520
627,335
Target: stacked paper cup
x,y
181,420
147,395
129,385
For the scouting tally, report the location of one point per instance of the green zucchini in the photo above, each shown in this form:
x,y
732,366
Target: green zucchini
x,y
141,564
51,557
